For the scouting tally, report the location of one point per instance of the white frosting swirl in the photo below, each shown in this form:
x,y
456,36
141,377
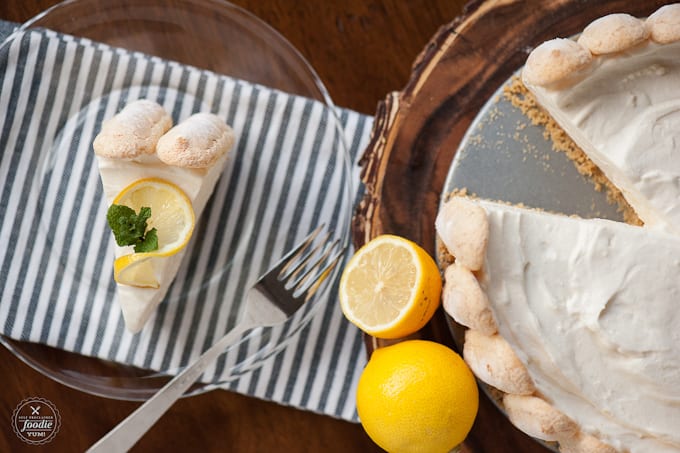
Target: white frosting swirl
x,y
592,308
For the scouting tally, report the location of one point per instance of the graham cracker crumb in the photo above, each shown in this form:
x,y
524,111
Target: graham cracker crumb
x,y
519,96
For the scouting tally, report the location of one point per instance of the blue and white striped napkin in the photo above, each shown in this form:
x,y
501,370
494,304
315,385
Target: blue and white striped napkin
x,y
56,255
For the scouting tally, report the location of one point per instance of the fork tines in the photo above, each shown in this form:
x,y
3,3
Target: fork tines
x,y
308,264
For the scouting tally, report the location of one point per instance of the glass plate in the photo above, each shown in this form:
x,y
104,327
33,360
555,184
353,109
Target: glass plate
x,y
219,37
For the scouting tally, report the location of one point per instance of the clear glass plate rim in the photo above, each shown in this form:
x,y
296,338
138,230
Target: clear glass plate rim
x,y
7,342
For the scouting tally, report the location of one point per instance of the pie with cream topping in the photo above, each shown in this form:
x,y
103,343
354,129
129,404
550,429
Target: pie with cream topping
x,y
139,142
577,321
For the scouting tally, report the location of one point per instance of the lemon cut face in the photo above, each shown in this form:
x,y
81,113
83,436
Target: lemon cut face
x,y
390,288
173,217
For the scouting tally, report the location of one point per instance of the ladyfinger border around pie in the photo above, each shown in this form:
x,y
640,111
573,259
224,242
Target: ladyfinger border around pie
x,y
558,59
538,383
490,356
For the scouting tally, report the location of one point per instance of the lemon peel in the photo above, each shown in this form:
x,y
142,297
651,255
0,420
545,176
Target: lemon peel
x,y
172,216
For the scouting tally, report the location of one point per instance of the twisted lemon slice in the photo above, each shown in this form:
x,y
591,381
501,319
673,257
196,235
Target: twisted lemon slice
x,y
172,216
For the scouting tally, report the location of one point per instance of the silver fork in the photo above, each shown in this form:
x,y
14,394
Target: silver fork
x,y
275,297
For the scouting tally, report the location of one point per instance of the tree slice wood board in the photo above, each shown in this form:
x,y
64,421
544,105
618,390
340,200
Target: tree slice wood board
x,y
418,130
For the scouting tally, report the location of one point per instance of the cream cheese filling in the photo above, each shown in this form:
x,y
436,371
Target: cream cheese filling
x,y
623,110
137,304
592,308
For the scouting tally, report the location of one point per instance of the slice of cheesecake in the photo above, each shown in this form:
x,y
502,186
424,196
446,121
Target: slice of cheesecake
x,y
615,92
138,143
577,321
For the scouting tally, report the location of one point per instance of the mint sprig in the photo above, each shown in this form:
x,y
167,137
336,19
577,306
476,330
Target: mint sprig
x,y
129,228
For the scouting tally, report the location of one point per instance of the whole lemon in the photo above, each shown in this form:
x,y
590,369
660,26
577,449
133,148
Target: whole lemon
x,y
417,396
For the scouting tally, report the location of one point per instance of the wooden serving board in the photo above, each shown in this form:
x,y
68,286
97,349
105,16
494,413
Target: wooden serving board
x,y
417,132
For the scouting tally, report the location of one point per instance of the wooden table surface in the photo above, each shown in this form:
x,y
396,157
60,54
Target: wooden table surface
x,y
362,49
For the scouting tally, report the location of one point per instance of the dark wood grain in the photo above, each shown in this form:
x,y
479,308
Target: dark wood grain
x,y
362,50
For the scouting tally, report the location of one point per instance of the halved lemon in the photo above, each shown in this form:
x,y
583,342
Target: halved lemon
x,y
390,288
172,215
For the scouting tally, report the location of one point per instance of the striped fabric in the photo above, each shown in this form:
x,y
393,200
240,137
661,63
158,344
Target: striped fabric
x,y
284,177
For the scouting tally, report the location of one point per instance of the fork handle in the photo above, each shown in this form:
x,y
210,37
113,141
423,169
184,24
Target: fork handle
x,y
126,434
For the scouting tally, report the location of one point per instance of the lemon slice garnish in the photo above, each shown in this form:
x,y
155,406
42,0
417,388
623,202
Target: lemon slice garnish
x,y
173,217
390,288
136,269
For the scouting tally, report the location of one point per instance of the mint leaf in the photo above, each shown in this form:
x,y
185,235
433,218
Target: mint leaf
x,y
123,223
129,228
149,243
144,215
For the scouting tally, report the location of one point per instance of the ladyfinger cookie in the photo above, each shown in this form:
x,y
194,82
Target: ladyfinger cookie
x,y
539,419
494,362
464,230
133,132
464,300
553,61
613,33
197,142
585,443
664,24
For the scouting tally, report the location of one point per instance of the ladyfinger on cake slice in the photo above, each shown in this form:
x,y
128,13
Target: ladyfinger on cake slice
x,y
133,132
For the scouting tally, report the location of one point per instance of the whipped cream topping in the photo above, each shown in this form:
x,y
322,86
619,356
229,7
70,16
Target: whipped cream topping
x,y
138,304
623,109
592,309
